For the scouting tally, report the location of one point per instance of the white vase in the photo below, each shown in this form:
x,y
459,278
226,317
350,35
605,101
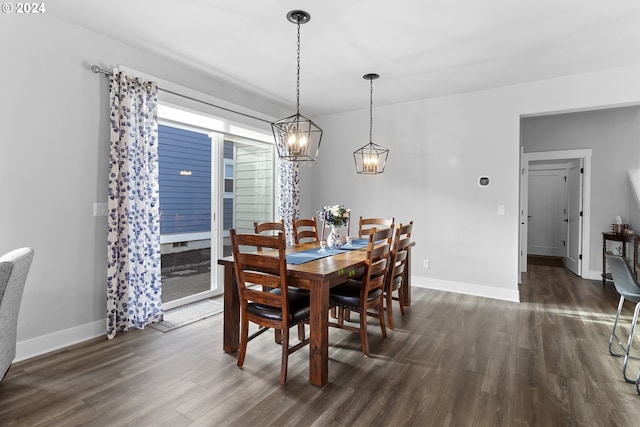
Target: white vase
x,y
334,239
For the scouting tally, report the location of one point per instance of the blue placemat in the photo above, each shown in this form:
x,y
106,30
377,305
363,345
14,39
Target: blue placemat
x,y
311,255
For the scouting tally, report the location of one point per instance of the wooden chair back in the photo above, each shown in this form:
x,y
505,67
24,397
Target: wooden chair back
x,y
377,259
270,228
397,266
305,229
268,270
365,224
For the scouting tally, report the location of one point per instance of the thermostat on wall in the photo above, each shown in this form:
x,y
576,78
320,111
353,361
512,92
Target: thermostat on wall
x,y
483,181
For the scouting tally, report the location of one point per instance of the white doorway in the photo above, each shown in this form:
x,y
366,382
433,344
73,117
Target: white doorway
x,y
546,225
577,165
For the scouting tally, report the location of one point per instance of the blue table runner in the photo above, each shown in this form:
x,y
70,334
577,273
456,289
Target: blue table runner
x,y
311,255
314,254
356,244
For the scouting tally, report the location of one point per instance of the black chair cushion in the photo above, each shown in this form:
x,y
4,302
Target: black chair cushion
x,y
298,307
348,294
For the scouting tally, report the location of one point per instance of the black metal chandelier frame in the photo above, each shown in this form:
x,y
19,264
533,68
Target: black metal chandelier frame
x,y
297,137
371,159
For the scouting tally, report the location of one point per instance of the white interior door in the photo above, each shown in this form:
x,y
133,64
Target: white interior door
x,y
547,208
524,192
574,216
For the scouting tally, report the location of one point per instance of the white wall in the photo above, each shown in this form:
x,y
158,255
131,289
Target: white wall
x,y
439,148
53,166
54,150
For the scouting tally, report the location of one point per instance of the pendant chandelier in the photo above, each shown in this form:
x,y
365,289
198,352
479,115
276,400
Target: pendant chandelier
x,y
297,137
372,158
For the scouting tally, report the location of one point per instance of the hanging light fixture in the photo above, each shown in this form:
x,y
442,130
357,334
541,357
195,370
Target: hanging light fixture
x,y
297,137
372,158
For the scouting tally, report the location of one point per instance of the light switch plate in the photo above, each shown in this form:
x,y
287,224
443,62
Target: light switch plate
x,y
100,209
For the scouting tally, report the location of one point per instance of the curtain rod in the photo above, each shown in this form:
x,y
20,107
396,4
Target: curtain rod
x,y
96,69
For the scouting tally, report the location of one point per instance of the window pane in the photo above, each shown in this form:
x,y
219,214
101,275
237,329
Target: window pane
x,y
185,181
185,212
252,186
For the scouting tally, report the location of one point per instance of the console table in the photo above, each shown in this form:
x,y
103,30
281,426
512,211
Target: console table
x,y
625,239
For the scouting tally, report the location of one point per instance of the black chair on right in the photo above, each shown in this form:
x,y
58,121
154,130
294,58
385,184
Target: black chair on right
x,y
628,288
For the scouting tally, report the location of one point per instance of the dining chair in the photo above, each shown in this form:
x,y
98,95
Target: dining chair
x,y
265,296
365,224
397,266
628,288
305,229
362,295
270,228
14,268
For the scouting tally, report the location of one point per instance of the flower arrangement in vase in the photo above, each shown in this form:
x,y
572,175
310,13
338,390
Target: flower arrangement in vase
x,y
336,216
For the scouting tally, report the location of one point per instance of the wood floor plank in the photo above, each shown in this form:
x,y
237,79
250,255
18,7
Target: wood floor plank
x,y
453,360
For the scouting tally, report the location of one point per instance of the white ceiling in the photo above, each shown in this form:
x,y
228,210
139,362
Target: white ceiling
x,y
420,48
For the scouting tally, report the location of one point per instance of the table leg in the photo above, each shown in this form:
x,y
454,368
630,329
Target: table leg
x,y
604,261
406,280
319,335
231,331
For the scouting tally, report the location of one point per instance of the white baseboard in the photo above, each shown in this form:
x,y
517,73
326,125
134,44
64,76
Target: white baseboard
x,y
466,288
592,275
44,344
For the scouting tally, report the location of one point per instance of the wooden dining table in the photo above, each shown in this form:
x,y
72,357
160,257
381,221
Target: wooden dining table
x,y
317,276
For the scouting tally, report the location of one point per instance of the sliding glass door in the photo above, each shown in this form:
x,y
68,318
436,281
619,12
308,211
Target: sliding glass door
x,y
210,181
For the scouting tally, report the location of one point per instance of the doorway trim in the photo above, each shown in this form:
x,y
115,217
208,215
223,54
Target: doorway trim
x,y
585,155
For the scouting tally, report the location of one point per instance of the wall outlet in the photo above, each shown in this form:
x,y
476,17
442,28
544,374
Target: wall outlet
x,y
426,264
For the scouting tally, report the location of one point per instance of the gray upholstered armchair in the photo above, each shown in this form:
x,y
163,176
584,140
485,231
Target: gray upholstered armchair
x,y
14,268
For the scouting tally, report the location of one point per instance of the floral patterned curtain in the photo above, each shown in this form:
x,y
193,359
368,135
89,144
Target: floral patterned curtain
x,y
288,195
133,265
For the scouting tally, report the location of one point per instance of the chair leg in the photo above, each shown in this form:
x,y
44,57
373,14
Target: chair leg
x,y
389,307
381,318
627,356
401,299
301,332
363,331
285,356
613,332
244,337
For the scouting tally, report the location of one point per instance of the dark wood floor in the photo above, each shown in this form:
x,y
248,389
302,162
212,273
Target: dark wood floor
x,y
454,360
